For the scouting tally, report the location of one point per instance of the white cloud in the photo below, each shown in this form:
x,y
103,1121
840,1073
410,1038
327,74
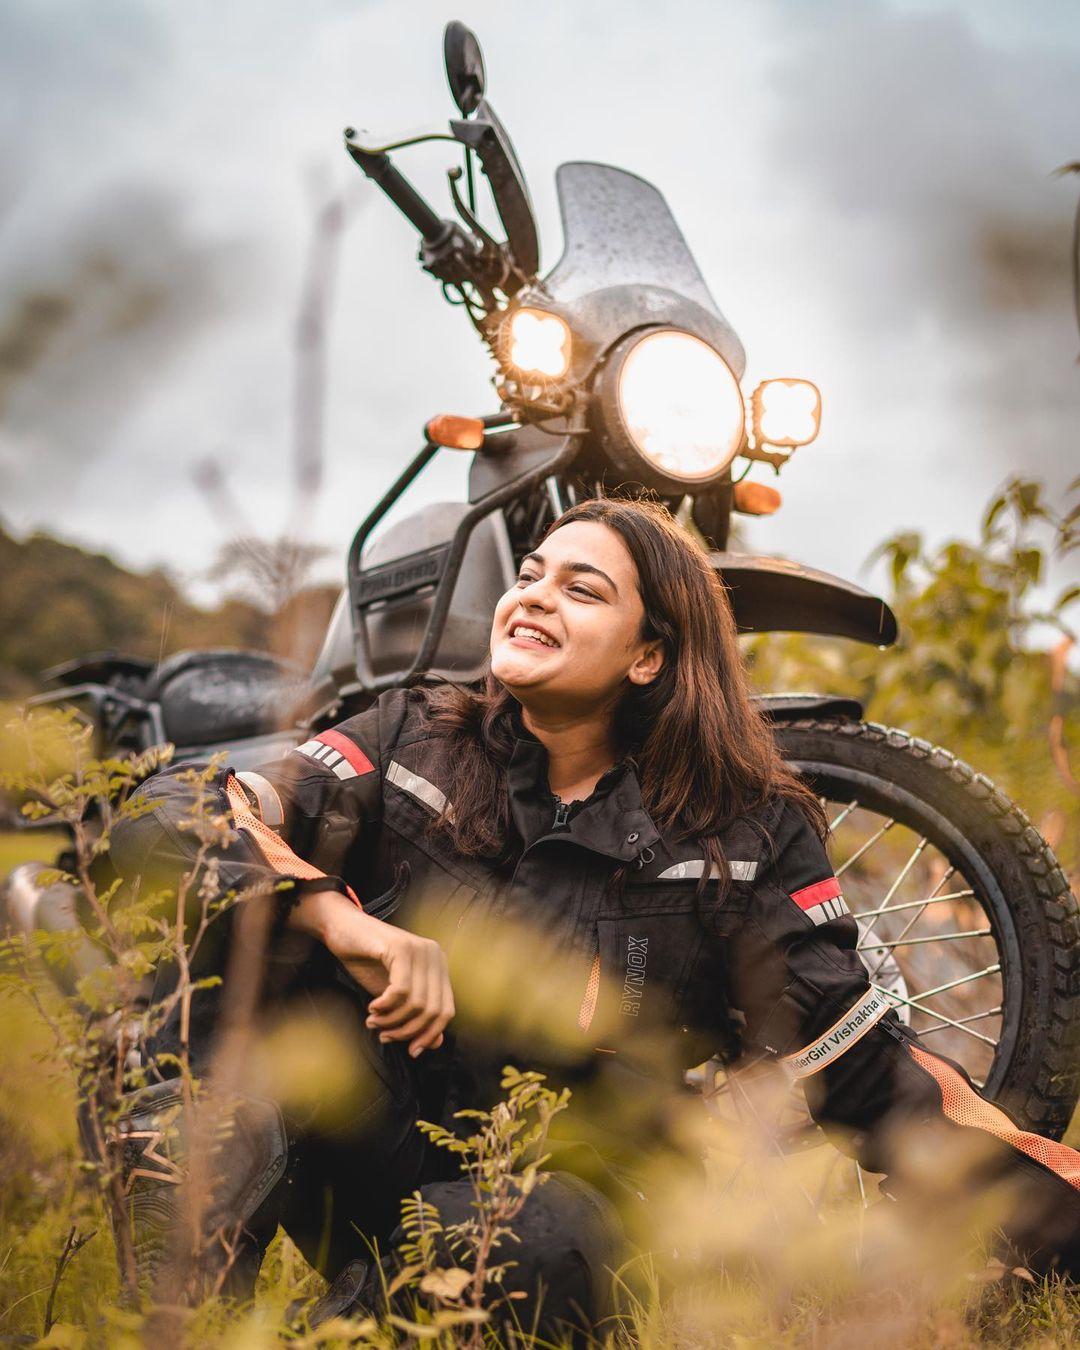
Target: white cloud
x,y
846,173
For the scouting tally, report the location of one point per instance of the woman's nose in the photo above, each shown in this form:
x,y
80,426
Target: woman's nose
x,y
538,595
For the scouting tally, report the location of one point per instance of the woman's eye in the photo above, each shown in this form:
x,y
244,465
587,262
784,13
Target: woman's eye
x,y
525,579
584,590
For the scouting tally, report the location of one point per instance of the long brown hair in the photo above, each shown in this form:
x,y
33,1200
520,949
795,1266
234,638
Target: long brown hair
x,y
703,754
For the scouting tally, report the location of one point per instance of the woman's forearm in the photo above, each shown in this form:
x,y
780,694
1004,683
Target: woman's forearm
x,y
340,925
314,913
406,975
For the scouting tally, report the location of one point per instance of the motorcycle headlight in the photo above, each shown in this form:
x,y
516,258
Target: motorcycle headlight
x,y
672,411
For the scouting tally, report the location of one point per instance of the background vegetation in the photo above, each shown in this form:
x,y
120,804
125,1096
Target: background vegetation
x,y
58,602
981,667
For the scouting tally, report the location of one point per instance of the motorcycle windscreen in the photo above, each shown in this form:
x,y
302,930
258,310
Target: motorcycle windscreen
x,y
619,231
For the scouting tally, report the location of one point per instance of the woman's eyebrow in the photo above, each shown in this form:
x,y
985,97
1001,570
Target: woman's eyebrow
x,y
574,567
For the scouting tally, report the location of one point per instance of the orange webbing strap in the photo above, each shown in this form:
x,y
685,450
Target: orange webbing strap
x,y
965,1107
592,993
271,845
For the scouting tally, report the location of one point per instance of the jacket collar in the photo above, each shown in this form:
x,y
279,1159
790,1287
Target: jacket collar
x,y
613,821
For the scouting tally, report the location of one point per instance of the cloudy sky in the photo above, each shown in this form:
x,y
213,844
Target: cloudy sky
x,y
867,184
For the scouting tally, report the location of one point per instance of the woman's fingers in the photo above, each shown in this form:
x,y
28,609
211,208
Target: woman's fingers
x,y
423,1007
418,1010
424,1033
391,999
442,1002
432,1037
389,1007
418,1004
400,1003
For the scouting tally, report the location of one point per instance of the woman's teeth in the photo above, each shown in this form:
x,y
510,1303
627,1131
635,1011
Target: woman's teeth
x,y
534,633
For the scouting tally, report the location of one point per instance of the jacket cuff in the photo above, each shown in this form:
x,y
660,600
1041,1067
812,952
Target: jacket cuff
x,y
302,886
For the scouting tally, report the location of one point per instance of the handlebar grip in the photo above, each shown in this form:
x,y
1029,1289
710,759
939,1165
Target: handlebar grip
x,y
376,164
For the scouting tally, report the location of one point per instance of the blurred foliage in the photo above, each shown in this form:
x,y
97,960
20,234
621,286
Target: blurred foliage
x,y
59,601
971,670
98,1006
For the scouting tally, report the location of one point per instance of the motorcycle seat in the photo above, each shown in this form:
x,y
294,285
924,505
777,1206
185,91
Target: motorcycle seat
x,y
225,694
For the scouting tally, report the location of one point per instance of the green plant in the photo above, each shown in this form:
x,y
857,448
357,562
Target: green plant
x,y
102,1029
971,669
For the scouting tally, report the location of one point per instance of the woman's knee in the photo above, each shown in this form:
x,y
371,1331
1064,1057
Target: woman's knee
x,y
569,1241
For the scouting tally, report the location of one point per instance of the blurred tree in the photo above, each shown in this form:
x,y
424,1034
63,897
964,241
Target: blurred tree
x,y
59,601
273,570
970,670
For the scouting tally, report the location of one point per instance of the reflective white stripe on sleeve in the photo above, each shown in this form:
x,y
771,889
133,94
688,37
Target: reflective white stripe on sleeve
x,y
270,808
739,871
840,1037
419,788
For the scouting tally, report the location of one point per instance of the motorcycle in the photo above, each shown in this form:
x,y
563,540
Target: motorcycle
x,y
616,371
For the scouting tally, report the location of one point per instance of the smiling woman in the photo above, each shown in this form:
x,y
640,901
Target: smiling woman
x,y
579,613
587,649
596,864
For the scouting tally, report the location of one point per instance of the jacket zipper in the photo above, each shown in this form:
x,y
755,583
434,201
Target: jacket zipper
x,y
562,812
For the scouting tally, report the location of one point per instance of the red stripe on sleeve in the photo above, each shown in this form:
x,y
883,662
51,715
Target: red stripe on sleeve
x,y
348,749
809,896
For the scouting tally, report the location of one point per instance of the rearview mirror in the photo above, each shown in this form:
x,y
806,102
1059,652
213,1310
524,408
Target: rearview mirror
x,y
464,66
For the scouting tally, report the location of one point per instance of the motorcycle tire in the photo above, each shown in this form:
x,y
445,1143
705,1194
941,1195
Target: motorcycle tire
x,y
1011,874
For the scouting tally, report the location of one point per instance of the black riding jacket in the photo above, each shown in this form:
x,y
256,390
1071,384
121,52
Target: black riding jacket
x,y
609,918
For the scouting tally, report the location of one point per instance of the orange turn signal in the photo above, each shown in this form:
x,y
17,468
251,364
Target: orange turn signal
x,y
455,433
756,499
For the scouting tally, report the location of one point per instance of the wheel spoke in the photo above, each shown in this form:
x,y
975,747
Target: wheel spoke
x,y
917,853
915,904
863,848
961,1021
876,946
842,816
930,1012
927,851
734,1176
995,969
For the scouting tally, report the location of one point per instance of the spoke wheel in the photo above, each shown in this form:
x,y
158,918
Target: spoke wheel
x,y
965,920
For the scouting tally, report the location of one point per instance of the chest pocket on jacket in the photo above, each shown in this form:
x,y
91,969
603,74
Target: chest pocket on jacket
x,y
662,951
648,942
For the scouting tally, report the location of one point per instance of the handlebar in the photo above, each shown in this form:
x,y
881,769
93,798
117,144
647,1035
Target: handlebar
x,y
376,164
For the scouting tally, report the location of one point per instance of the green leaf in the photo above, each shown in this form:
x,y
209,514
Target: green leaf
x,y
995,509
454,1317
405,1276
1029,562
1067,597
1028,495
446,1282
420,1330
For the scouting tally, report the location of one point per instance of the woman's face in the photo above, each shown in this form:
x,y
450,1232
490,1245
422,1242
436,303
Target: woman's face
x,y
567,636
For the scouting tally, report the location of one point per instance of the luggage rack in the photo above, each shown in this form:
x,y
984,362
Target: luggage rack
x,y
515,461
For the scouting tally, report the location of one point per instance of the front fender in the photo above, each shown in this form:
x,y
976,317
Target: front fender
x,y
775,595
794,707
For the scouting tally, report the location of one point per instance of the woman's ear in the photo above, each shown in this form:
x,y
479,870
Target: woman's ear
x,y
647,664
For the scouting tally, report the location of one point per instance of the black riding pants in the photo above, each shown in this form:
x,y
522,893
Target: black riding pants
x,y
340,1197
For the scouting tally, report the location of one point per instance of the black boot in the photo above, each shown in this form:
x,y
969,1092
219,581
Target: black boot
x,y
245,1156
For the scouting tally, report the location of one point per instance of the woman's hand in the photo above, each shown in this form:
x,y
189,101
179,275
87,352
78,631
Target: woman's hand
x,y
407,974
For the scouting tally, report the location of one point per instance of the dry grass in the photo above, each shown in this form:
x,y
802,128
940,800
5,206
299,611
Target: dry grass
x,y
755,1267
